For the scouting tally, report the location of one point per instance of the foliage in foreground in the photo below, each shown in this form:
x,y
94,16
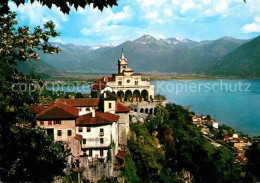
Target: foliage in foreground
x,y
27,154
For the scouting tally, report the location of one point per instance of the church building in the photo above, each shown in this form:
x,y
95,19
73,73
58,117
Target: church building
x,y
126,84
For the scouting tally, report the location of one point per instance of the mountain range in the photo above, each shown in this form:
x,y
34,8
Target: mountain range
x,y
178,55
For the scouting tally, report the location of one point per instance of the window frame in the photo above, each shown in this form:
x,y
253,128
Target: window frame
x,y
90,153
101,140
70,133
101,153
59,134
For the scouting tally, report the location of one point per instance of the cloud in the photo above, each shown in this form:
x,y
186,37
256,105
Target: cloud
x,y
108,25
167,12
252,27
37,14
185,6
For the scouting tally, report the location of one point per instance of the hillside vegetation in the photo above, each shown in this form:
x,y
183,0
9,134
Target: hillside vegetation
x,y
170,148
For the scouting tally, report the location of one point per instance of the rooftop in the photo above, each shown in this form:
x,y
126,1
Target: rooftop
x,y
99,119
120,108
83,102
58,110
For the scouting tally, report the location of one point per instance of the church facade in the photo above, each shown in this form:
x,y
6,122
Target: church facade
x,y
126,84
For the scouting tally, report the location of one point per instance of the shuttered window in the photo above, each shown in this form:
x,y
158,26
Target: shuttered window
x,y
49,122
80,129
57,122
88,129
41,122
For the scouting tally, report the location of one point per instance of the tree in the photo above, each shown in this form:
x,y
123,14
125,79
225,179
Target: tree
x,y
159,97
253,163
79,95
64,5
32,156
25,151
186,152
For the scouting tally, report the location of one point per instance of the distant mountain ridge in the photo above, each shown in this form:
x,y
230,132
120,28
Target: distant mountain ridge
x,y
243,61
146,54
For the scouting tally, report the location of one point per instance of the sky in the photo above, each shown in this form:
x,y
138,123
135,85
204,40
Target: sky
x,y
192,19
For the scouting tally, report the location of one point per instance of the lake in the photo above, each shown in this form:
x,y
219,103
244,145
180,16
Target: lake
x,y
235,103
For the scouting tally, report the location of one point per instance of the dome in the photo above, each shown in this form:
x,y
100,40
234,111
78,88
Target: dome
x,y
128,69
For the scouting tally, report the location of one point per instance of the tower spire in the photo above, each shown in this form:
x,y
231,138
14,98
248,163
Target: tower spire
x,y
122,54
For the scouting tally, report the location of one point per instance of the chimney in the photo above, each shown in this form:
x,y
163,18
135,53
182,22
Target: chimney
x,y
93,113
105,95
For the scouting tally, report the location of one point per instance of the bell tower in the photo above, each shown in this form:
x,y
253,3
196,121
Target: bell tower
x,y
122,63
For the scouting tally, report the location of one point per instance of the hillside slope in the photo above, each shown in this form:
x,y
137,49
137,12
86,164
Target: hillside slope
x,y
40,68
243,61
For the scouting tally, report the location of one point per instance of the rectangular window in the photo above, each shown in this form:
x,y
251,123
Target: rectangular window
x,y
90,152
88,129
101,140
57,122
84,141
136,82
69,132
59,132
101,130
119,83
80,129
110,105
49,122
101,152
41,122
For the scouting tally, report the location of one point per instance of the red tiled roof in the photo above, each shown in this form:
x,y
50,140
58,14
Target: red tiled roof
x,y
58,111
100,118
226,137
241,158
82,102
37,109
101,80
98,86
79,137
121,108
121,154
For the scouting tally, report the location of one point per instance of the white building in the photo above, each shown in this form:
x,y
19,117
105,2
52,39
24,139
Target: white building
x,y
126,84
94,129
100,135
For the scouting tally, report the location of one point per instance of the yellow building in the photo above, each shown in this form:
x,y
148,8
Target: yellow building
x,y
126,84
